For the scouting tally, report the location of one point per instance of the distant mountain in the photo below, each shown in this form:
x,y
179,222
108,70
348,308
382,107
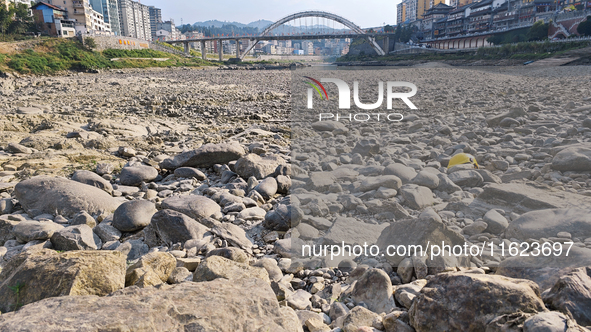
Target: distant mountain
x,y
260,24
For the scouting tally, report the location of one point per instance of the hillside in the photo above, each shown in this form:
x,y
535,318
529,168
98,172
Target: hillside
x,y
49,56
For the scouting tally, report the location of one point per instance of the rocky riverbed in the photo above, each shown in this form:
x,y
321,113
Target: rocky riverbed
x,y
180,199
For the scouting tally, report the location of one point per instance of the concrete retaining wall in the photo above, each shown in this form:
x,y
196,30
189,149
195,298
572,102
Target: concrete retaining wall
x,y
121,43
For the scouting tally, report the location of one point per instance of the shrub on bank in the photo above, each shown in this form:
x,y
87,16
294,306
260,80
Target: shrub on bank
x,y
55,55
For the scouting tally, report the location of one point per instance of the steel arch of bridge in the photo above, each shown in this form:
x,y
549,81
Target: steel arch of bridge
x,y
321,14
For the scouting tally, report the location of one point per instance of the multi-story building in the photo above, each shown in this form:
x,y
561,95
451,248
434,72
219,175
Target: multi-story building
x,y
111,15
401,12
87,19
155,18
52,20
308,47
173,32
134,19
411,10
434,14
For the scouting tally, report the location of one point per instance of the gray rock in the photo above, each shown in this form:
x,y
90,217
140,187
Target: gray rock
x,y
367,147
548,322
417,197
358,317
6,206
134,249
474,228
466,178
547,223
231,253
279,219
375,182
132,216
169,226
92,179
119,311
495,221
328,126
458,294
79,237
61,196
106,232
83,218
178,275
300,300
416,232
259,167
44,274
215,267
426,179
205,156
233,234
270,265
545,270
495,120
522,197
573,158
253,213
189,172
27,231
195,206
374,288
572,294
405,173
135,175
283,184
104,168
267,188
17,148
447,185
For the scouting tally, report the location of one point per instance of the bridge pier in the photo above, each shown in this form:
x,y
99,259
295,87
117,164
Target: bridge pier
x,y
220,50
387,45
203,50
187,48
237,48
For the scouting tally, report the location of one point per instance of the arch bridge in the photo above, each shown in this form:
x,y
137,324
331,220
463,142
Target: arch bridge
x,y
267,34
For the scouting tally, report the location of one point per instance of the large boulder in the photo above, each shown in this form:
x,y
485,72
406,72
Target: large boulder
x,y
214,267
468,301
61,196
547,223
195,206
409,233
575,158
374,288
132,216
545,270
161,264
216,306
205,156
31,230
41,274
572,294
257,166
92,179
78,237
417,197
169,226
522,197
135,175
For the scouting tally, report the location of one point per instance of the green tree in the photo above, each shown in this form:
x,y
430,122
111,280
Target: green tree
x,y
389,28
538,31
584,28
21,19
5,19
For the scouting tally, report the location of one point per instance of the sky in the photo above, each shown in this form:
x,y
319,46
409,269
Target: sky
x,y
365,13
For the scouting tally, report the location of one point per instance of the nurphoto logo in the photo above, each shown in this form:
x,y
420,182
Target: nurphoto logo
x,y
345,93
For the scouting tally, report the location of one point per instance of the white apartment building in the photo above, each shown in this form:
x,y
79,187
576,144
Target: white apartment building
x,y
134,19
